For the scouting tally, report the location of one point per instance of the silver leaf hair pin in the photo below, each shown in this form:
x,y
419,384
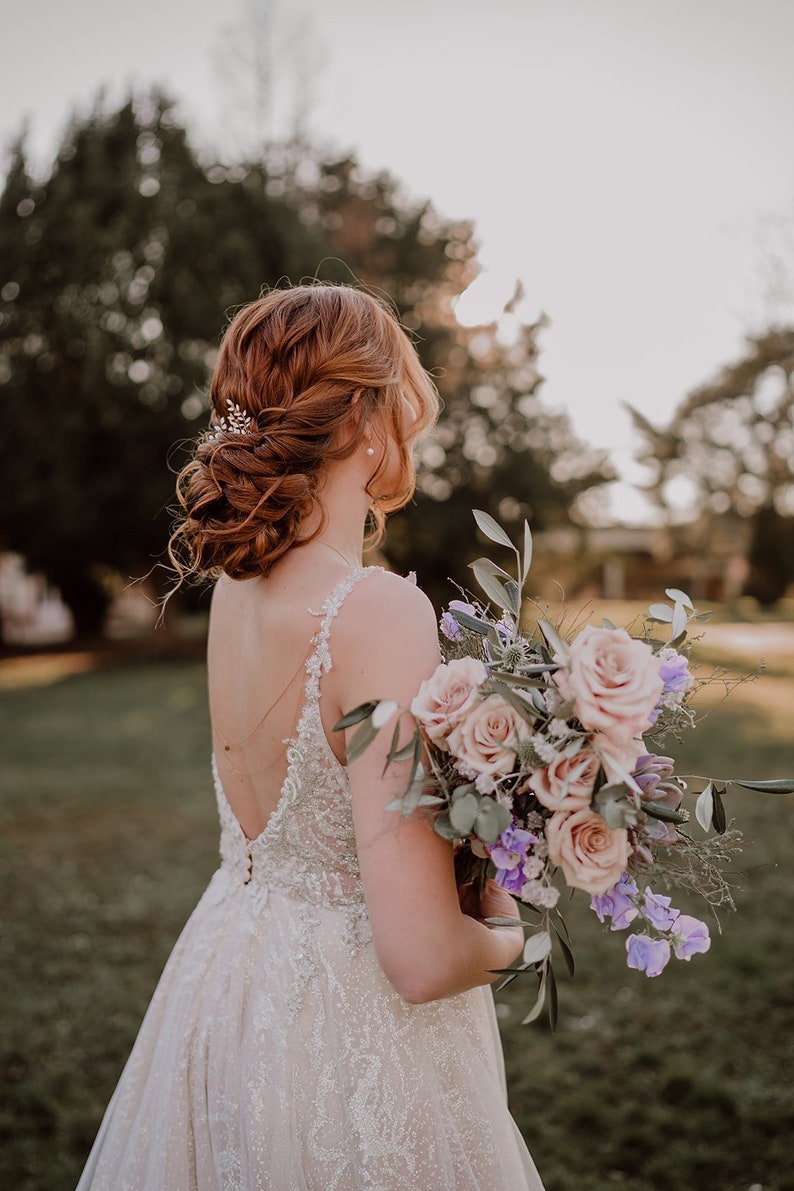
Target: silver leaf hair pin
x,y
237,421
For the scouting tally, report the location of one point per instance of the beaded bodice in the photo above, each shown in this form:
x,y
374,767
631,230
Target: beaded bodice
x,y
307,849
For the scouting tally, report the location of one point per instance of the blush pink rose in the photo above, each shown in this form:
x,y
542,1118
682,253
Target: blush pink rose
x,y
613,681
591,855
486,740
549,783
447,695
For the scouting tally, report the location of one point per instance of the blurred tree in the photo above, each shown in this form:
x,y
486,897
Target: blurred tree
x,y
497,447
733,440
117,270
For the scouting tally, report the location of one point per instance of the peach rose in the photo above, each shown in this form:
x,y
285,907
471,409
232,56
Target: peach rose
x,y
613,681
549,784
486,740
447,695
591,855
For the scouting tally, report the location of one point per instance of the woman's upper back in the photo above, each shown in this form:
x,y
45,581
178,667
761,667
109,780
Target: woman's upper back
x,y
263,632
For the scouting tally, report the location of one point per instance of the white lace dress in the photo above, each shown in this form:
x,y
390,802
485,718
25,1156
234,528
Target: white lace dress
x,y
275,1054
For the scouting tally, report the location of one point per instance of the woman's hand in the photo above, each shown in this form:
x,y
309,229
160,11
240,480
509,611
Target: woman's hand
x,y
495,902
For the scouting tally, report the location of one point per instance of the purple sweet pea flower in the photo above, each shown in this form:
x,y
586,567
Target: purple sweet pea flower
x,y
616,903
674,673
646,954
656,909
449,626
509,855
690,937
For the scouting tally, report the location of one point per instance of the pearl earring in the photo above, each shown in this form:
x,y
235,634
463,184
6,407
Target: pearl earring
x,y
370,450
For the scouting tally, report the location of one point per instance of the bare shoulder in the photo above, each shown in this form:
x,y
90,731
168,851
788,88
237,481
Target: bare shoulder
x,y
385,601
385,641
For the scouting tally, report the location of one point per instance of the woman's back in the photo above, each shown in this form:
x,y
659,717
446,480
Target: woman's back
x,y
261,636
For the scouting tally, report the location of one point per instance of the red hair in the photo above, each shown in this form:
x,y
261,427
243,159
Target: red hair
x,y
314,366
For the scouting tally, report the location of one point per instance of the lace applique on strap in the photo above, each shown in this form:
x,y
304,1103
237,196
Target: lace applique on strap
x,y
319,660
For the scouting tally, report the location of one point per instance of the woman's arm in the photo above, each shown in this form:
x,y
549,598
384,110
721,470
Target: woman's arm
x,y
385,645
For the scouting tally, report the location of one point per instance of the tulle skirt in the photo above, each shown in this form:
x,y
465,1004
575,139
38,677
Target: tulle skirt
x,y
275,1055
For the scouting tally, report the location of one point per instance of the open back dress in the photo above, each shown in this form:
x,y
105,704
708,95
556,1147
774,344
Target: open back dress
x,y
275,1054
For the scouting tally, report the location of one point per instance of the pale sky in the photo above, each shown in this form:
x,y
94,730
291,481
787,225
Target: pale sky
x,y
629,160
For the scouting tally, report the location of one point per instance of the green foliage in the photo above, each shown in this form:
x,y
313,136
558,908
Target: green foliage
x,y
119,268
120,265
734,438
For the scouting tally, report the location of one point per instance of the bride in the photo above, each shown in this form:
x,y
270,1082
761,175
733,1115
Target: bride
x,y
325,1021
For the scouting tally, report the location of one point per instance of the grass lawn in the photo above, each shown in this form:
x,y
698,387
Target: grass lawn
x,y
109,836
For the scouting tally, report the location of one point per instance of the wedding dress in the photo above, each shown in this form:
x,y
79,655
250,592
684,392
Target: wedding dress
x,y
275,1054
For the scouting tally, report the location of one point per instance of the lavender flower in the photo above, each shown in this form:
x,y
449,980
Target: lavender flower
x,y
690,936
449,626
646,954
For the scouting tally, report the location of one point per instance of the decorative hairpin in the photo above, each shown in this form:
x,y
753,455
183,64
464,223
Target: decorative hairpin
x,y
238,420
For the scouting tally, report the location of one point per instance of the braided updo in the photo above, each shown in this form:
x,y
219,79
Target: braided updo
x,y
316,368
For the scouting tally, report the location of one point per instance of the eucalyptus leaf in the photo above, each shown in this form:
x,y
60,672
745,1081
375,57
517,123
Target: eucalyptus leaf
x,y
679,597
661,612
443,827
508,922
527,561
704,807
487,565
516,702
607,624
614,807
552,983
567,954
463,812
406,752
391,755
492,529
563,927
467,621
777,786
553,639
514,595
520,680
679,621
361,741
537,1008
362,712
492,587
492,819
459,791
718,817
703,616
537,947
510,973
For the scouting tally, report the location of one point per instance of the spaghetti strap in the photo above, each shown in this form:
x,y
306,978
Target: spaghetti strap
x,y
319,660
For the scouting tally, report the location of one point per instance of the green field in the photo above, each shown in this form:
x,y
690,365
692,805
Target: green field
x,y
109,835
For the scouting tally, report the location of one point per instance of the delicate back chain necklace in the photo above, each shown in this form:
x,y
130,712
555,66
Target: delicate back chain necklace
x,y
338,553
228,745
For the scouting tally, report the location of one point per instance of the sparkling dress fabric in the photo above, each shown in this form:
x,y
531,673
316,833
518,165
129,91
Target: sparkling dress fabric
x,y
275,1054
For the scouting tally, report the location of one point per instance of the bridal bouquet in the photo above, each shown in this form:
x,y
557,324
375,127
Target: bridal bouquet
x,y
535,753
